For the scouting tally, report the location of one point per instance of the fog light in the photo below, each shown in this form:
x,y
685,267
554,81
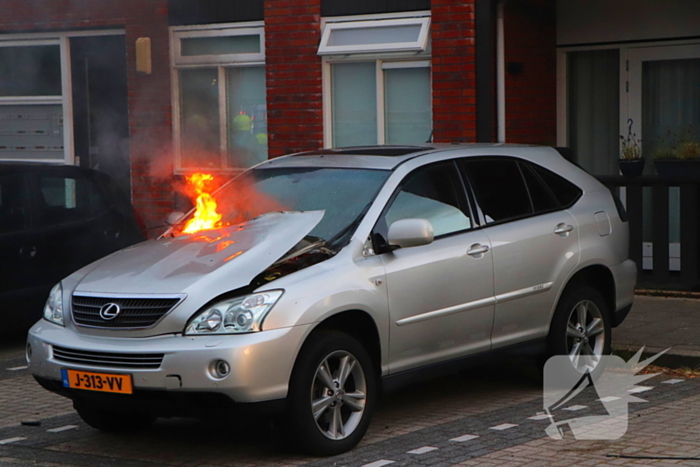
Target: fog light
x,y
219,369
29,352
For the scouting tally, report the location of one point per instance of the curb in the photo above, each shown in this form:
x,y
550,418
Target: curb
x,y
667,293
667,360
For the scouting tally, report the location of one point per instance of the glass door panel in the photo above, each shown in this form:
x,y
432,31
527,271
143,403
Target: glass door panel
x,y
664,103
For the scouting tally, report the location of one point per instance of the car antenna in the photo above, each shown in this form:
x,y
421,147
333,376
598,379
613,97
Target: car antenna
x,y
430,138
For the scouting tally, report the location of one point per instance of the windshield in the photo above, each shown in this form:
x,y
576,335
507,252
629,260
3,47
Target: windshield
x,y
344,195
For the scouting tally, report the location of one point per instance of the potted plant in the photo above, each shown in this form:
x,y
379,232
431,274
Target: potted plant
x,y
631,160
678,155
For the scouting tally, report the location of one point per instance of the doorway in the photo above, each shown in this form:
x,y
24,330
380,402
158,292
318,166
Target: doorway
x,y
664,102
100,106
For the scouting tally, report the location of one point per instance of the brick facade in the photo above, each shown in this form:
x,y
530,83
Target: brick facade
x,y
150,126
294,76
453,71
531,79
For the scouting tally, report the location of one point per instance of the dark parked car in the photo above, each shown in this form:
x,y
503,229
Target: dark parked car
x,y
53,221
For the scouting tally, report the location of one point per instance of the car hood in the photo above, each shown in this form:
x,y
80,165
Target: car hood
x,y
212,261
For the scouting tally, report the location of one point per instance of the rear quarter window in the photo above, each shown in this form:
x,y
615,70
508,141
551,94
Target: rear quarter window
x,y
563,190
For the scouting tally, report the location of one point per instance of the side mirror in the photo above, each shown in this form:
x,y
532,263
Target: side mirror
x,y
175,217
410,232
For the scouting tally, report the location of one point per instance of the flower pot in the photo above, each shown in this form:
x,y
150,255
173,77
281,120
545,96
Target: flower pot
x,y
632,167
678,169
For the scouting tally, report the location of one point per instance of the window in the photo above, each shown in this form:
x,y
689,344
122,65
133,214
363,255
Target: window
x,y
401,34
499,188
563,190
13,199
31,101
382,98
433,193
68,199
540,196
220,102
343,194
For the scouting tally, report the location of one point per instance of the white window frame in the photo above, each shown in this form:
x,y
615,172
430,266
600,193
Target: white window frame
x,y
418,45
62,39
629,106
562,80
380,66
220,30
221,63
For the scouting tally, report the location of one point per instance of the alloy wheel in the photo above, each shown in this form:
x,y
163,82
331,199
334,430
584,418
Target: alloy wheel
x,y
338,395
585,336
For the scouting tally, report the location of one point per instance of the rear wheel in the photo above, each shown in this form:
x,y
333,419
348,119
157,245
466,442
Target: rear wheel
x,y
111,421
581,329
331,394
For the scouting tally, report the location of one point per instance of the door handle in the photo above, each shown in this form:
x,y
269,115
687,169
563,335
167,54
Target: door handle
x,y
477,249
563,229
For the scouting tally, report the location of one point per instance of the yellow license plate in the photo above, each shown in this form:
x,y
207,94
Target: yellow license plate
x,y
97,381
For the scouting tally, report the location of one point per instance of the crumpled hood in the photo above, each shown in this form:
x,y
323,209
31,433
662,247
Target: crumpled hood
x,y
216,260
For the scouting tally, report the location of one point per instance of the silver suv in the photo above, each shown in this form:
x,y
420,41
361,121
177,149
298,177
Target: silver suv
x,y
340,273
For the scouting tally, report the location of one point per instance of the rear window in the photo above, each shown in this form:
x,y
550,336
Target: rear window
x,y
67,199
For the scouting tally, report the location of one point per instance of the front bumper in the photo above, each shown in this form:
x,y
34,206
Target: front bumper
x,y
261,363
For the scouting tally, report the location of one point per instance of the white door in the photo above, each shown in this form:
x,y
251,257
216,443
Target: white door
x,y
663,101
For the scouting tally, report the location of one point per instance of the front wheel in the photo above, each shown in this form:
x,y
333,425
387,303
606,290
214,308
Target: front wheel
x,y
331,394
581,329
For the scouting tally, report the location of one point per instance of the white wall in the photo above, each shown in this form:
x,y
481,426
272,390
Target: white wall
x,y
592,21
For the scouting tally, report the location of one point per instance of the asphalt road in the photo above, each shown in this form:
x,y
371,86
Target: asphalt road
x,y
483,416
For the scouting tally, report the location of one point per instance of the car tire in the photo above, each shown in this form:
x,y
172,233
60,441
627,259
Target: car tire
x,y
327,412
112,421
581,329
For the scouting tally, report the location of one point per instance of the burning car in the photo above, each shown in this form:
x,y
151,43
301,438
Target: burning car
x,y
324,276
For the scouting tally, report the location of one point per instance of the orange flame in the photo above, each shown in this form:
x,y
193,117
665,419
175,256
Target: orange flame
x,y
205,215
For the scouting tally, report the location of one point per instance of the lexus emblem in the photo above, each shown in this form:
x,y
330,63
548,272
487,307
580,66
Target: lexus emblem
x,y
109,311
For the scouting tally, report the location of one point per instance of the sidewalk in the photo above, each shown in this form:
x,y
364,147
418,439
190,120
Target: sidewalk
x,y
659,323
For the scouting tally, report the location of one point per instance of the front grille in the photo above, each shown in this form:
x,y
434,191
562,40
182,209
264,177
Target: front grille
x,y
139,361
134,312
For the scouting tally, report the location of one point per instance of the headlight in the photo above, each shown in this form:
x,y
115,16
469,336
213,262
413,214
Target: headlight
x,y
53,310
234,316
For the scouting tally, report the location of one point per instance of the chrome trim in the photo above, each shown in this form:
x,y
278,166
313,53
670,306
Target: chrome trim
x,y
447,311
535,289
124,361
180,296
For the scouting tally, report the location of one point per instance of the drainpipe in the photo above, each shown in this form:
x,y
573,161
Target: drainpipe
x,y
501,71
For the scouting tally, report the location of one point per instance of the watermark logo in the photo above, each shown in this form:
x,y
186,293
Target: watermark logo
x,y
592,404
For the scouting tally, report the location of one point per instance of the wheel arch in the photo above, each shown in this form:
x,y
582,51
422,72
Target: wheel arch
x,y
360,325
601,279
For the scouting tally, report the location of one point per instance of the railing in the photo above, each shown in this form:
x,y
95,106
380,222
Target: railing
x,y
660,276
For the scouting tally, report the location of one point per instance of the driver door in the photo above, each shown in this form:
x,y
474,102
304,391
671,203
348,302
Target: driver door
x,y
441,301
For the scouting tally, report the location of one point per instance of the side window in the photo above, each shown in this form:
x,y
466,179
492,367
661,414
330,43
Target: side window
x,y
434,193
13,204
499,188
65,199
542,199
564,191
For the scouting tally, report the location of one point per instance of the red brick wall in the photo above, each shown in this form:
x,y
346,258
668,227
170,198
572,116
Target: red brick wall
x,y
149,95
294,82
454,65
530,40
